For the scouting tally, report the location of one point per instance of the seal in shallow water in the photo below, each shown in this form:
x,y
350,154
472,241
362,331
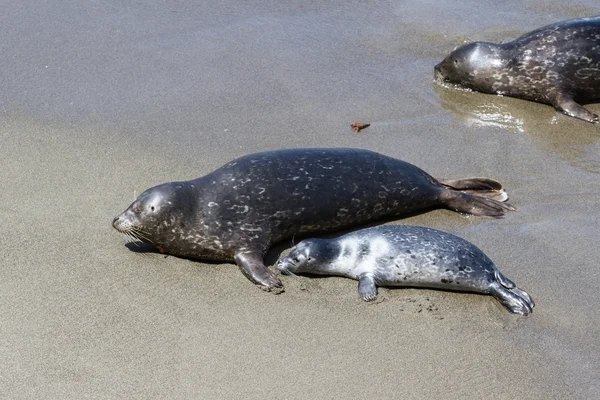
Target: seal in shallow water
x,y
406,256
558,64
238,211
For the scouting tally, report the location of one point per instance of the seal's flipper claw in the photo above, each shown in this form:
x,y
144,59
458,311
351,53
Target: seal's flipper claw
x,y
251,265
366,288
567,105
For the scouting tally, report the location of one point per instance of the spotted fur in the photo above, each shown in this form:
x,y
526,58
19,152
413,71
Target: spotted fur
x,y
238,211
558,64
406,256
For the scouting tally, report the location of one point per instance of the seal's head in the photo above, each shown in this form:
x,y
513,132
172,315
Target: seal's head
x,y
151,215
313,256
475,65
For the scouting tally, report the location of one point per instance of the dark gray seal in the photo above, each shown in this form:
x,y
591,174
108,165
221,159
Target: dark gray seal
x,y
238,211
558,64
406,256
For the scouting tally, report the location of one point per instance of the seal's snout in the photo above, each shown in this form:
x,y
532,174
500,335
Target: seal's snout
x,y
438,74
283,266
117,223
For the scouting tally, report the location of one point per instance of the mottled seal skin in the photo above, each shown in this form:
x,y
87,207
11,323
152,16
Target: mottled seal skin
x,y
406,256
558,64
238,211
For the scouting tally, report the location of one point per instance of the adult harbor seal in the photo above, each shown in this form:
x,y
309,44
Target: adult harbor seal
x,y
558,64
406,256
238,211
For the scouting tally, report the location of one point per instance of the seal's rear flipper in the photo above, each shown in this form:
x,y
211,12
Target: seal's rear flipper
x,y
567,105
251,265
516,300
483,187
470,204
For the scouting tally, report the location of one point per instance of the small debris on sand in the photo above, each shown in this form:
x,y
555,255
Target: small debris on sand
x,y
358,126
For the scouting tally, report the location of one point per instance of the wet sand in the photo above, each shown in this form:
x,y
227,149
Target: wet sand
x,y
100,102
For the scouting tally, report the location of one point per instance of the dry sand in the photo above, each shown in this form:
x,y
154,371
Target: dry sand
x,y
101,101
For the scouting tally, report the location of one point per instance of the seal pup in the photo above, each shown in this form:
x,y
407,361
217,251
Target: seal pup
x,y
558,64
406,256
238,211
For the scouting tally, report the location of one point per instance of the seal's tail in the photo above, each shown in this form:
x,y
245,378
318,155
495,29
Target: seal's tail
x,y
472,204
483,187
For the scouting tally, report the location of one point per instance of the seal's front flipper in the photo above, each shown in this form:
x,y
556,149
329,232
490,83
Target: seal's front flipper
x,y
251,265
565,104
483,187
366,288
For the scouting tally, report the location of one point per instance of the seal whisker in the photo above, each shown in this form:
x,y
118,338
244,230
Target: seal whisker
x,y
135,235
127,237
133,240
140,234
130,238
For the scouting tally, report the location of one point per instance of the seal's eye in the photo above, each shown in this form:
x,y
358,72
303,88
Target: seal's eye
x,y
295,259
138,209
152,208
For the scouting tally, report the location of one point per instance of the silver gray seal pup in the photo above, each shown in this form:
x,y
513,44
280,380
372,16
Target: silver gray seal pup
x,y
238,211
406,256
558,64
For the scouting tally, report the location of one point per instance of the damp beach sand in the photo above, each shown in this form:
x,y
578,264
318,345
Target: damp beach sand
x,y
101,101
